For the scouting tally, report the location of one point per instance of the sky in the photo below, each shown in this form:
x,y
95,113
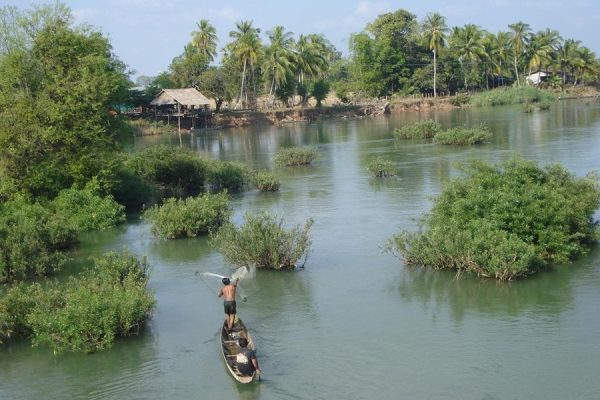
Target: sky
x,y
148,34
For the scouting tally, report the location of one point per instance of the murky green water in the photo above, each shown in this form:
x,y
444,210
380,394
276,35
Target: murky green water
x,y
356,323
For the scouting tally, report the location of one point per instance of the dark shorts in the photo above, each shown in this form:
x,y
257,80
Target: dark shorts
x,y
229,307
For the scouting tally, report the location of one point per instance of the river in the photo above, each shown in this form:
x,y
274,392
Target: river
x,y
355,323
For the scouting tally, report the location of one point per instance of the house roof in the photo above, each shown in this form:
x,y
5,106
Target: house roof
x,y
186,97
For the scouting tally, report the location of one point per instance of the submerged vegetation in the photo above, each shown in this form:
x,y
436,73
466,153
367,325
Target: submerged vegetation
x,y
295,156
380,168
463,136
84,314
262,241
190,217
505,221
425,129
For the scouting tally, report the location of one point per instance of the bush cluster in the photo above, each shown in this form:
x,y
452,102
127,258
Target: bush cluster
x,y
84,314
506,221
463,136
173,172
425,129
86,211
263,241
179,218
380,168
225,175
459,99
295,156
31,240
265,181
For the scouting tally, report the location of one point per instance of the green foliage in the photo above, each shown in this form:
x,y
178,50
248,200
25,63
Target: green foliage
x,y
173,172
59,88
130,189
320,90
380,168
87,211
425,129
224,175
463,136
265,181
516,95
16,302
262,241
544,104
188,217
31,238
89,311
527,107
459,99
295,156
506,221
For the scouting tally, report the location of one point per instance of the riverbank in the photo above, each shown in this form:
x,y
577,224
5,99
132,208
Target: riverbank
x,y
375,108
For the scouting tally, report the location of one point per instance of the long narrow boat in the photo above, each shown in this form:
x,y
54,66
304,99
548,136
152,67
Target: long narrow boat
x,y
230,349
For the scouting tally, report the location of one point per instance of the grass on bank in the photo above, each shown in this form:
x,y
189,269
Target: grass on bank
x,y
505,221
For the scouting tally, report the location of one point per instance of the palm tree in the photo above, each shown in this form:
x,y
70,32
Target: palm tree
x,y
246,48
278,57
518,33
588,63
313,53
466,42
434,33
205,40
539,50
499,52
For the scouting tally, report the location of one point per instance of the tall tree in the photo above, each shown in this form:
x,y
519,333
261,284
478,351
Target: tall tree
x,y
245,48
466,43
205,40
519,33
434,30
279,57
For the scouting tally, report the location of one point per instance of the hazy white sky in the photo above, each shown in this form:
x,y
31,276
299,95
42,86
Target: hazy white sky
x,y
147,34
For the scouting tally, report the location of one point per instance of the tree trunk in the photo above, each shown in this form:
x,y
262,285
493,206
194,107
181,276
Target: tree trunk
x,y
434,73
242,86
517,72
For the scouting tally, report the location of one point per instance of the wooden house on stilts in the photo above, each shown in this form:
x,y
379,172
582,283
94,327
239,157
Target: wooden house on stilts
x,y
179,103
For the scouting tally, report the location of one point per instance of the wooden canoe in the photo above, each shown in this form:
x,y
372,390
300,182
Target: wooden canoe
x,y
230,348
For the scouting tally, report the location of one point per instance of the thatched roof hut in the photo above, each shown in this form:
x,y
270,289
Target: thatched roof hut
x,y
188,97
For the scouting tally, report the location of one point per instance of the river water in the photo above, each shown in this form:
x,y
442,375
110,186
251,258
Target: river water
x,y
355,323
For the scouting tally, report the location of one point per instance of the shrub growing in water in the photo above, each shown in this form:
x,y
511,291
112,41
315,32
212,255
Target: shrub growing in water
x,y
224,175
425,129
381,168
178,218
265,181
89,311
463,136
87,211
174,172
31,240
263,242
505,221
295,156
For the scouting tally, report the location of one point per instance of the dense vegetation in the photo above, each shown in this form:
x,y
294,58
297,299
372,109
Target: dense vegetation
x,y
265,181
463,136
395,54
505,221
501,96
179,218
263,242
84,314
225,175
295,156
380,168
425,129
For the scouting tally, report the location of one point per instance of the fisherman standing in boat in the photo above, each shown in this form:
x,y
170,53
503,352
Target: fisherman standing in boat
x,y
228,294
246,359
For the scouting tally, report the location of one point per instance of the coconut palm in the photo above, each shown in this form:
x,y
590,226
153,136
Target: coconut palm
x,y
246,48
312,54
434,30
279,55
567,58
205,40
519,34
588,63
466,43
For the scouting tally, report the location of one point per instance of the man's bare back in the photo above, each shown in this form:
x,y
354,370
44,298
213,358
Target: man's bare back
x,y
228,292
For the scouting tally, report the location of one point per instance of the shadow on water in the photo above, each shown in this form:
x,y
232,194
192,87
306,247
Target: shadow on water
x,y
549,292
